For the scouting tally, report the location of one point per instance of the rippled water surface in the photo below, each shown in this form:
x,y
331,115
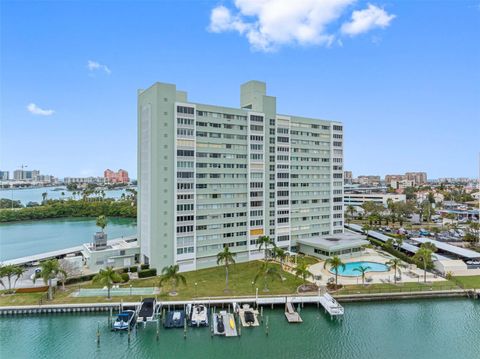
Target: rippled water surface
x,y
20,239
403,329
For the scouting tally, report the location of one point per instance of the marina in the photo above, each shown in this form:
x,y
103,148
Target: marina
x,y
317,334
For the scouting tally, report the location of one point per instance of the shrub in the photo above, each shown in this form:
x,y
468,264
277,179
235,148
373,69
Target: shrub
x,y
133,269
125,277
145,266
82,278
144,273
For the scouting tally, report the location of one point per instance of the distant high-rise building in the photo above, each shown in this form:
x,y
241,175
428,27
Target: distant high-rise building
x,y
417,177
22,175
390,178
4,175
116,177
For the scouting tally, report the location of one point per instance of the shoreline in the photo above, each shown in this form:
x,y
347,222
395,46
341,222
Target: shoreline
x,y
271,300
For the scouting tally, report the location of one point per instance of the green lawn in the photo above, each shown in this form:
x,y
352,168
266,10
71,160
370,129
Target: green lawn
x,y
400,287
210,283
308,259
469,282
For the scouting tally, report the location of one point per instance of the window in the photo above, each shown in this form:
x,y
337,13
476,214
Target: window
x,y
256,118
184,109
185,153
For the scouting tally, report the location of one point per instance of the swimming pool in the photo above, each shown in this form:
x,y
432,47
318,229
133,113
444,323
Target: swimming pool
x,y
350,272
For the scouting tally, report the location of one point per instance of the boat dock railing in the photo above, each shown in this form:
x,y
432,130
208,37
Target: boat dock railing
x,y
331,306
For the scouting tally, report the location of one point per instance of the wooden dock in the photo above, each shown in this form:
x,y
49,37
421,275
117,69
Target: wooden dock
x,y
291,315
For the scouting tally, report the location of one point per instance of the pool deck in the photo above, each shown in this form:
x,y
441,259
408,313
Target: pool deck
x,y
410,274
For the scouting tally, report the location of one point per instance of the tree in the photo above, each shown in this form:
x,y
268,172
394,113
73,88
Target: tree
x,y
264,242
363,270
226,257
171,274
107,278
389,243
350,211
44,197
50,269
430,246
267,271
335,262
399,242
10,271
68,269
301,271
366,228
396,263
101,222
424,258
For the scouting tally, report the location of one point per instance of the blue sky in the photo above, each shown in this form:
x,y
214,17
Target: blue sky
x,y
403,76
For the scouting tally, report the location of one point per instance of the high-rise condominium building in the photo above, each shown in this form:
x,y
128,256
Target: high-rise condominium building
x,y
213,176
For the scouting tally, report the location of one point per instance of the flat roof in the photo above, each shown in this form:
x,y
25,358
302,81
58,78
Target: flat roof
x,y
462,252
335,242
382,237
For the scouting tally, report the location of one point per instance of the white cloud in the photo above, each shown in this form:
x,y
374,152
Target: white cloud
x,y
35,110
95,66
366,20
269,24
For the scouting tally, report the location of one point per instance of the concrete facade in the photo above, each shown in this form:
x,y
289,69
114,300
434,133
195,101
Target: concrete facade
x,y
212,176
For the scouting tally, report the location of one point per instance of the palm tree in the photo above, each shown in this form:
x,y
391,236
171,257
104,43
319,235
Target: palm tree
x,y
44,197
101,222
363,270
267,271
50,269
301,271
226,257
335,263
396,263
264,242
171,274
424,257
107,278
365,228
389,243
399,242
430,246
280,254
10,271
350,210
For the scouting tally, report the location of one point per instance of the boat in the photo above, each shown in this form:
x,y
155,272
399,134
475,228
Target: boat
x,y
148,310
248,316
218,326
174,319
125,320
198,314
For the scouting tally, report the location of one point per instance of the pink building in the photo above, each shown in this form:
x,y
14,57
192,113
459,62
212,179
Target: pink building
x,y
116,177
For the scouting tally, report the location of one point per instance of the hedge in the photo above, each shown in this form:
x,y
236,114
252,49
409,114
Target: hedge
x,y
392,251
125,277
144,273
82,278
145,266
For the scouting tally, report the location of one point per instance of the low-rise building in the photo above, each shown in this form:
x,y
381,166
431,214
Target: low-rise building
x,y
357,199
369,180
119,254
344,245
402,184
83,180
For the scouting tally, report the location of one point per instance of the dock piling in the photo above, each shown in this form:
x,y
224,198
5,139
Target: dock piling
x,y
266,325
98,334
158,329
185,328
